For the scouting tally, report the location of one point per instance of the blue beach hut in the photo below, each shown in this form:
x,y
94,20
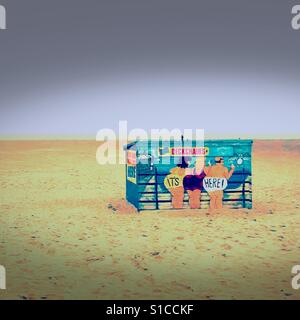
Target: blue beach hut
x,y
149,162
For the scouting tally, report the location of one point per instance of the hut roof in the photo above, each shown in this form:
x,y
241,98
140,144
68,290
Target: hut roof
x,y
212,142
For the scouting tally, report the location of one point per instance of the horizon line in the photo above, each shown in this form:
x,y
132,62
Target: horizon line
x,y
90,138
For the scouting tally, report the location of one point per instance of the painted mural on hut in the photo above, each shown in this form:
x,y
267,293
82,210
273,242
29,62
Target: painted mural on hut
x,y
210,174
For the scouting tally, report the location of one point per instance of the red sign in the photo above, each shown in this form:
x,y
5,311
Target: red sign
x,y
131,157
189,151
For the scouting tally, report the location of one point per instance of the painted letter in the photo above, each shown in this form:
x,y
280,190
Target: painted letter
x,y
296,278
2,278
296,18
2,18
107,153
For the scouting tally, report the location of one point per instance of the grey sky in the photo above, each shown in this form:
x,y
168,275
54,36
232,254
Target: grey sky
x,y
70,67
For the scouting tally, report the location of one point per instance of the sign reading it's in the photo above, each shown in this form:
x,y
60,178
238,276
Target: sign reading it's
x,y
173,181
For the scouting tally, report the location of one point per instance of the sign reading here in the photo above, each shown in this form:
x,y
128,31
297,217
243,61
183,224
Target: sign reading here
x,y
214,184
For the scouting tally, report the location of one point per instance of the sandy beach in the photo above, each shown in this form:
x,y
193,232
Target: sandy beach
x,y
66,231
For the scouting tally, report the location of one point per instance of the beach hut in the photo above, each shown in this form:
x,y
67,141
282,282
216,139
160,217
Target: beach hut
x,y
149,162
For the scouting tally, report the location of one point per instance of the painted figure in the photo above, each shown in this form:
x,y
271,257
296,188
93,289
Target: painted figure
x,y
193,182
218,171
174,183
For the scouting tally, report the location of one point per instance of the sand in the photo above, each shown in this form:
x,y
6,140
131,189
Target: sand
x,y
66,231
